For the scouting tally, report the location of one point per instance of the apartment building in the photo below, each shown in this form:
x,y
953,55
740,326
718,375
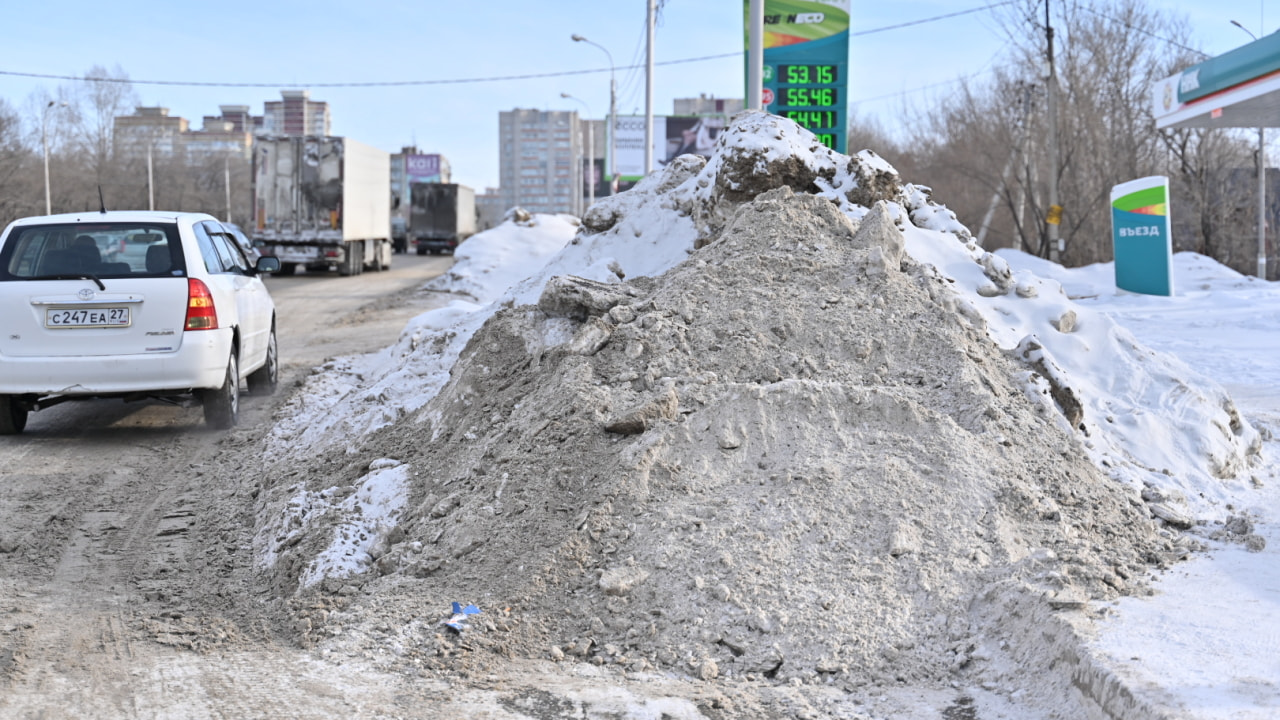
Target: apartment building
x,y
539,153
295,113
149,130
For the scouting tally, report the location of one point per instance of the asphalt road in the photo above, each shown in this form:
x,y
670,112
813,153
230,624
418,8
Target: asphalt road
x,y
126,535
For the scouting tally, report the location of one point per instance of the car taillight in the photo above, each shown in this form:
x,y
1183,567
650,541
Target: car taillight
x,y
201,314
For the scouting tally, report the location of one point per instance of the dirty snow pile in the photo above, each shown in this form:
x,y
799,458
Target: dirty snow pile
x,y
356,396
772,414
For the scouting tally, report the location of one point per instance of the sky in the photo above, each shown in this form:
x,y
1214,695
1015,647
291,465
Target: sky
x,y
1153,373
275,45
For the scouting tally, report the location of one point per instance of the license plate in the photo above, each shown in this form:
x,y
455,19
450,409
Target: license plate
x,y
87,317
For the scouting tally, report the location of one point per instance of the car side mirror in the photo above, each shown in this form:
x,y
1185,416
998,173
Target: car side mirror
x,y
267,264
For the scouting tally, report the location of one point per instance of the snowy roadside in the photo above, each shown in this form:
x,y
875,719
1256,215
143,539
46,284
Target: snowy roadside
x,y
1207,638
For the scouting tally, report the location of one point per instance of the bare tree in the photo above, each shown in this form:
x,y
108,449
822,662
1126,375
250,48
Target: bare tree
x,y
94,103
991,139
18,186
1111,56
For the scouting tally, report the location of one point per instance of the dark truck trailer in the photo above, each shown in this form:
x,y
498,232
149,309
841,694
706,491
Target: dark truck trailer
x,y
441,216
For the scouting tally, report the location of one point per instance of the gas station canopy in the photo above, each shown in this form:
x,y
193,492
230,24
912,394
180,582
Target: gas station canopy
x,y
1240,88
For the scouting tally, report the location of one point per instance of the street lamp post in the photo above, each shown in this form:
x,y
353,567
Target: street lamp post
x,y
1262,187
591,156
613,115
44,142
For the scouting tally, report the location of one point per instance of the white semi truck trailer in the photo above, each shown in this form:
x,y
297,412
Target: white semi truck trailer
x,y
322,202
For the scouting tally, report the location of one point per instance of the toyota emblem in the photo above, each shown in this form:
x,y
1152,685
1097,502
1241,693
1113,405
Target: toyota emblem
x,y
85,294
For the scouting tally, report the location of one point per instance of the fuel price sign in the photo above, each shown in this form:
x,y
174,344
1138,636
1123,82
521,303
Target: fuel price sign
x,y
806,57
813,97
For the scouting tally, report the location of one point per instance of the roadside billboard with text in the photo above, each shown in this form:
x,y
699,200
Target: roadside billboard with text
x,y
673,136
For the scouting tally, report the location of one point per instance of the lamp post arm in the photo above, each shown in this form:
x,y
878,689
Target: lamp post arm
x,y
613,110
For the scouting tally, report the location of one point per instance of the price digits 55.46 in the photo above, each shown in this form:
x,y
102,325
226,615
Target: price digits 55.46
x,y
809,97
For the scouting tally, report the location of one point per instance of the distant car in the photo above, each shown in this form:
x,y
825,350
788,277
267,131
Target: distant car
x,y
173,310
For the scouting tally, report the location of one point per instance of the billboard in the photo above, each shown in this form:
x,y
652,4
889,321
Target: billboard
x,y
1141,237
806,65
422,168
673,136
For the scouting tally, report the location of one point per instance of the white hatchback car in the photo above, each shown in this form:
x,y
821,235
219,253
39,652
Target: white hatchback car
x,y
84,314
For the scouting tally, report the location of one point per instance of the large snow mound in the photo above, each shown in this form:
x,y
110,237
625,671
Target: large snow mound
x,y
769,414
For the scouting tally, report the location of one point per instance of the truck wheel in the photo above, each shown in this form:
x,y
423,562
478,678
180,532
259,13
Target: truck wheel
x,y
222,406
352,260
13,416
422,250
263,381
288,268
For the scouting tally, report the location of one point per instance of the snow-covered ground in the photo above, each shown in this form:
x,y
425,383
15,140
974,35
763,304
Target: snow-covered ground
x,y
1210,637
1176,398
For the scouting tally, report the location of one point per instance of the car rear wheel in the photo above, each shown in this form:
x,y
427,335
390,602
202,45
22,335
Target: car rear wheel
x,y
13,416
222,406
263,381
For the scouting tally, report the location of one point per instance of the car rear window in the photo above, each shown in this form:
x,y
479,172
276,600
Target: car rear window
x,y
102,250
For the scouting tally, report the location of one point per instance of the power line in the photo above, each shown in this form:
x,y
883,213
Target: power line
x,y
1148,33
912,91
904,93
383,83
992,6
465,81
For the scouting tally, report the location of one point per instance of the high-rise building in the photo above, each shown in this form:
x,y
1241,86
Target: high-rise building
x,y
295,114
539,152
239,117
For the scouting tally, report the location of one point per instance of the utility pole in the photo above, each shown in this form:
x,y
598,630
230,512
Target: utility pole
x,y
1054,216
648,86
755,55
226,176
44,141
1262,203
591,161
151,179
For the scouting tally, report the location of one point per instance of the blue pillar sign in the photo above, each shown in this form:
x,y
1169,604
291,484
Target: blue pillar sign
x,y
806,65
1141,237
